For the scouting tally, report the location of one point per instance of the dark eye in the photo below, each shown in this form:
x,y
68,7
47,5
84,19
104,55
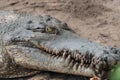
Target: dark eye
x,y
51,30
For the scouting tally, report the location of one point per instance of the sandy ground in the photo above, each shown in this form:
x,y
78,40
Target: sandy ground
x,y
96,20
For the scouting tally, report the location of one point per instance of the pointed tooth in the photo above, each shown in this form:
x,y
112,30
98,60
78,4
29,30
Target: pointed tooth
x,y
64,55
71,63
50,51
68,59
79,67
75,67
75,53
77,57
86,60
56,52
72,54
80,58
82,61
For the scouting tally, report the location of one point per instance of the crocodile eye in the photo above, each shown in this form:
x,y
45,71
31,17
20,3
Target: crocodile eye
x,y
51,30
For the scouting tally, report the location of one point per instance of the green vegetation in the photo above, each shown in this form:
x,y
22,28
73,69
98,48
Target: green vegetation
x,y
115,73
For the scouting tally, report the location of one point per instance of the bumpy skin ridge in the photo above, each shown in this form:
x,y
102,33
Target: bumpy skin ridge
x,y
43,43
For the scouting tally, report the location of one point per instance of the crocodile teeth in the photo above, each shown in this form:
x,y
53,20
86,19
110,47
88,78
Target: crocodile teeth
x,y
56,52
68,59
64,54
82,61
75,67
79,67
77,56
50,51
71,63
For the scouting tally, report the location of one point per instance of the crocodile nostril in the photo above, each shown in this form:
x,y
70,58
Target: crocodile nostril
x,y
38,28
29,22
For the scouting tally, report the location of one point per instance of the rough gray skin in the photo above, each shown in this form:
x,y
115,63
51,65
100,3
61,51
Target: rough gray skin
x,y
30,44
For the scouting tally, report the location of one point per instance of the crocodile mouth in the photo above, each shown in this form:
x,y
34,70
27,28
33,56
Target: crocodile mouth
x,y
75,59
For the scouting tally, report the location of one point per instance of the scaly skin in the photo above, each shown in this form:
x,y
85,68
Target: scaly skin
x,y
30,44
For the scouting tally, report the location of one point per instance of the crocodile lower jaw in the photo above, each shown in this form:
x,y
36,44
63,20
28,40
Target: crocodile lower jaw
x,y
36,59
63,61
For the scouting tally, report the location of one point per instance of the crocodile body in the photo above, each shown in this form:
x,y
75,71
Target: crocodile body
x,y
30,44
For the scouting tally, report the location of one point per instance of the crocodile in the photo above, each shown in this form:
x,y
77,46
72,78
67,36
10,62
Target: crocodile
x,y
33,43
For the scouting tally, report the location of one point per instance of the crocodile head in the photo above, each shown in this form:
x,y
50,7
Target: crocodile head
x,y
47,44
